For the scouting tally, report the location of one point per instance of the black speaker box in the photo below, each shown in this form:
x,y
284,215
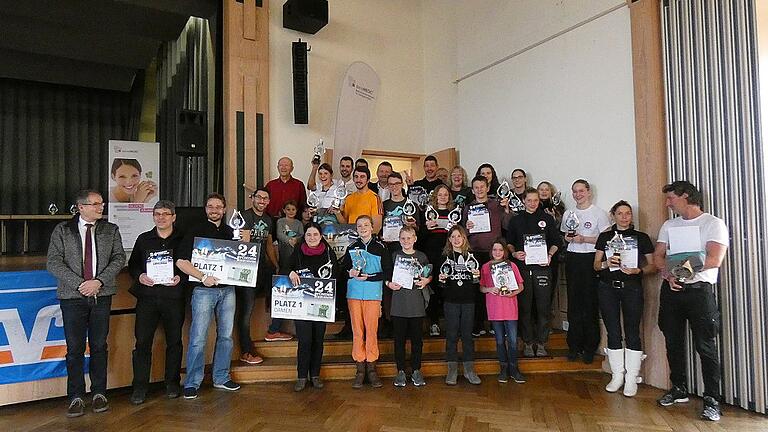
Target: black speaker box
x,y
300,94
306,16
191,133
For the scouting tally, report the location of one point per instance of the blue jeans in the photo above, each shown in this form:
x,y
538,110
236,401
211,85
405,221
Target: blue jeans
x,y
507,352
205,303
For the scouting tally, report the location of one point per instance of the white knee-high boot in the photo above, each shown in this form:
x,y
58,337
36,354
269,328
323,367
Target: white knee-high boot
x,y
632,362
616,360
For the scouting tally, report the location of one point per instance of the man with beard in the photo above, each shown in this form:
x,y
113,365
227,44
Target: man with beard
x,y
363,202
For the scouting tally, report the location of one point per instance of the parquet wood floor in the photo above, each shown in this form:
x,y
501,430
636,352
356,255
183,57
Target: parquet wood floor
x,y
548,402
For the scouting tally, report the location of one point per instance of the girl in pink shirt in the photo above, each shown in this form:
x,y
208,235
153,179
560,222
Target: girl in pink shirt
x,y
501,302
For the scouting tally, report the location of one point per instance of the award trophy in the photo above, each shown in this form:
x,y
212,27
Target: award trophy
x,y
236,222
73,209
503,280
454,217
409,210
683,271
447,267
503,191
339,194
684,266
358,260
319,152
325,271
313,201
430,214
52,209
515,203
617,244
572,224
472,265
557,199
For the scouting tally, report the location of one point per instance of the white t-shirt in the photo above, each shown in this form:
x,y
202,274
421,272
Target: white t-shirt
x,y
327,197
592,221
349,185
711,228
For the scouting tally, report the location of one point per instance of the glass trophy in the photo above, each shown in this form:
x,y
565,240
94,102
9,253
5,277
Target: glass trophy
x,y
319,152
454,217
515,203
503,191
358,260
472,265
53,209
236,222
339,195
571,224
313,201
617,244
409,209
447,267
683,271
557,199
73,209
503,280
325,271
431,214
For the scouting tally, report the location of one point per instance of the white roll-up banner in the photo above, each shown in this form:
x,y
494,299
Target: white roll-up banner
x,y
357,101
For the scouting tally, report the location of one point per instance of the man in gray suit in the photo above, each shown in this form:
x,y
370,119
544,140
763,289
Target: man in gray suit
x,y
85,255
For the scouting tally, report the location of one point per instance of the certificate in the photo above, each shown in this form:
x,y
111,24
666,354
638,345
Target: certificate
x,y
629,256
479,215
232,262
684,239
535,247
391,230
312,300
403,272
160,266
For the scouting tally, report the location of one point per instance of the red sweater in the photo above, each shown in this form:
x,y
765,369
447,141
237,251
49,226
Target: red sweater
x,y
280,192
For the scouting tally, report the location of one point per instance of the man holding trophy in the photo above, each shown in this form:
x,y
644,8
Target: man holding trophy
x,y
689,252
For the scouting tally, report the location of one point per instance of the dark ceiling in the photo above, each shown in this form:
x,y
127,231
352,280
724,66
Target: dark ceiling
x,y
89,43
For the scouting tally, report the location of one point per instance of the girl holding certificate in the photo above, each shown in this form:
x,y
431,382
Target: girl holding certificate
x,y
312,258
459,288
501,282
622,256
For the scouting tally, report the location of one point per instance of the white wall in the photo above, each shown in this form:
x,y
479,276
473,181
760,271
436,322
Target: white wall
x,y
561,111
386,35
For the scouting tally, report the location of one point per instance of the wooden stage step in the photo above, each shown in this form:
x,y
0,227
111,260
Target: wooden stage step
x,y
280,361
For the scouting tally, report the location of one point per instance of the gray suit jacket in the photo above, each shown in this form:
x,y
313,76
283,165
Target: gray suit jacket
x,y
65,257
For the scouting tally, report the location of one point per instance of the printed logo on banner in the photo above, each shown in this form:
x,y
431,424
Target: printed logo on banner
x,y
32,343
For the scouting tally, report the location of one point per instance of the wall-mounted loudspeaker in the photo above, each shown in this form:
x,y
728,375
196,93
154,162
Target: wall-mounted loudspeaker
x,y
300,94
306,16
191,133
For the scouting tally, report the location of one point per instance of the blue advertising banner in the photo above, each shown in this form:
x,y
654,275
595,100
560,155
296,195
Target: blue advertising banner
x,y
32,344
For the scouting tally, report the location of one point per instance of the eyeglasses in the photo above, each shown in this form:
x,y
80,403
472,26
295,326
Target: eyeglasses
x,y
212,207
394,184
96,204
260,198
161,214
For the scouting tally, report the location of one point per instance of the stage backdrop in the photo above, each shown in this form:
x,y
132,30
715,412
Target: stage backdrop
x,y
134,179
357,100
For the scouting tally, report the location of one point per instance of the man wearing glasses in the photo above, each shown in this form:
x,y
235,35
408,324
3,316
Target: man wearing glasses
x,y
209,299
85,255
157,301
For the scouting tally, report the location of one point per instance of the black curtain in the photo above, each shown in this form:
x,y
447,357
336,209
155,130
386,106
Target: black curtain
x,y
53,142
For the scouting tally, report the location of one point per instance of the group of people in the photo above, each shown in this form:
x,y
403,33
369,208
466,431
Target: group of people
x,y
467,251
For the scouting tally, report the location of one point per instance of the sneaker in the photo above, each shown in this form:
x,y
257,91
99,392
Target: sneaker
x,y
138,396
478,333
172,391
76,408
503,374
251,359
516,375
317,382
100,403
711,409
492,331
277,336
301,383
228,386
434,330
528,350
573,356
400,380
541,351
587,357
190,393
674,395
417,378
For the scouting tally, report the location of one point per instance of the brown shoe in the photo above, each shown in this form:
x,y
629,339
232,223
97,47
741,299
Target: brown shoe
x,y
277,336
251,359
359,375
373,377
76,408
100,403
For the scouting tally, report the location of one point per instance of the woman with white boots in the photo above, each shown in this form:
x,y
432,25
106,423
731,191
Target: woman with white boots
x,y
623,255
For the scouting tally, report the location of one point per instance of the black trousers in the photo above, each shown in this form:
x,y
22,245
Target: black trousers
x,y
435,306
246,296
624,300
150,311
408,328
86,318
583,327
481,313
535,305
696,305
309,353
458,322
